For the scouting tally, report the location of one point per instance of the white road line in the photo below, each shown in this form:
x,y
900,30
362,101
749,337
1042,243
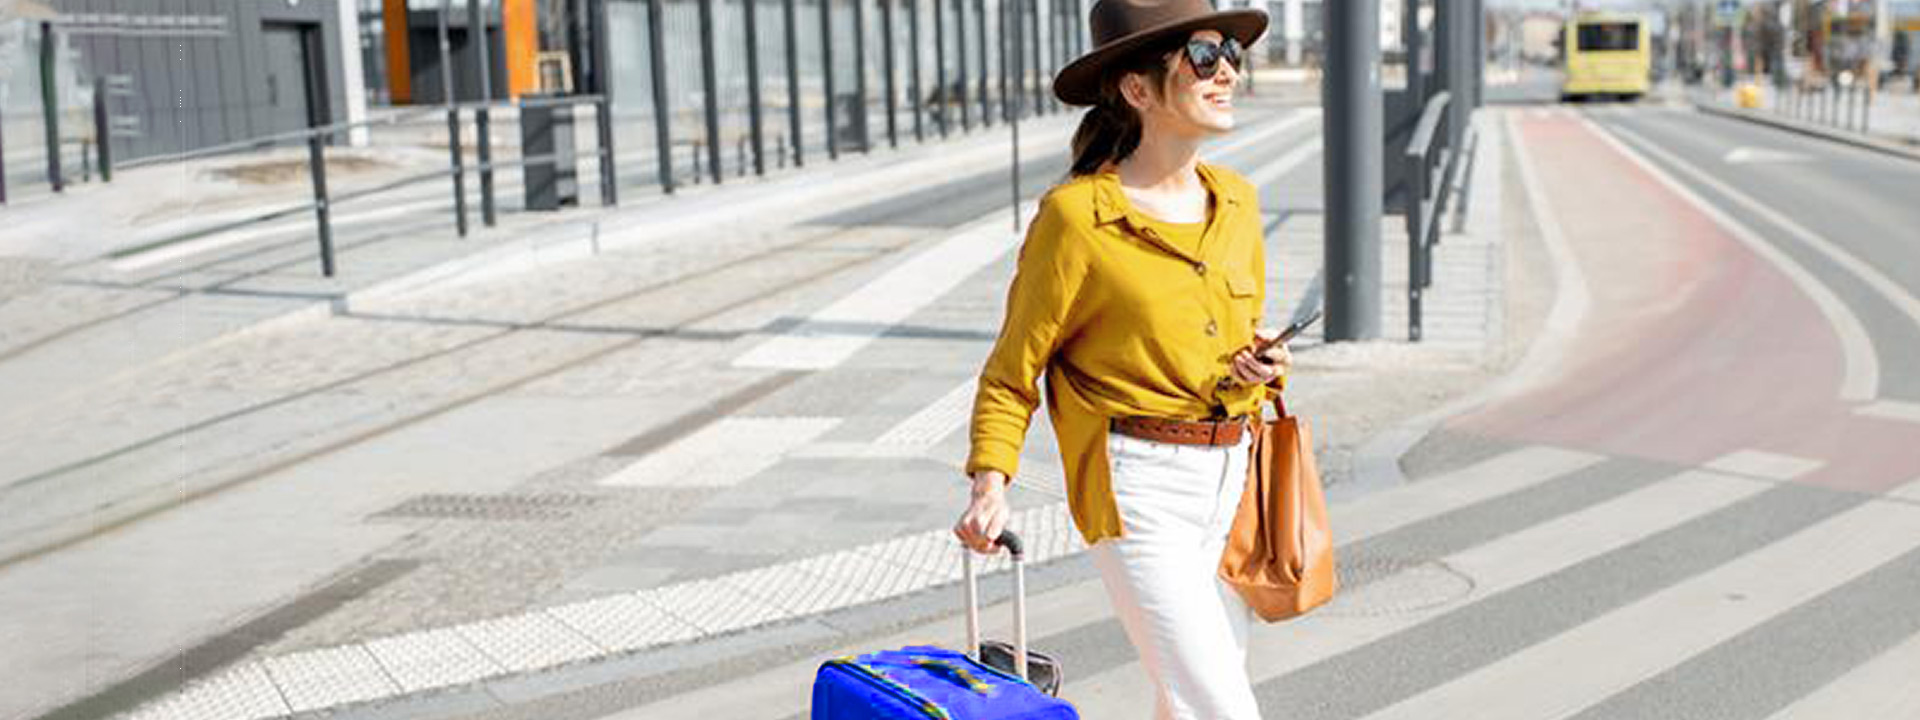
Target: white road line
x,y
1861,380
1571,298
1883,687
1236,144
1284,164
1495,567
834,333
1380,512
1909,491
1755,463
1565,674
1890,410
715,456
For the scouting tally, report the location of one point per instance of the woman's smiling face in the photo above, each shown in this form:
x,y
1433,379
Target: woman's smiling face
x,y
1190,105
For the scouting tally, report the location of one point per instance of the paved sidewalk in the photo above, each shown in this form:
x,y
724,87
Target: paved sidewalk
x,y
858,395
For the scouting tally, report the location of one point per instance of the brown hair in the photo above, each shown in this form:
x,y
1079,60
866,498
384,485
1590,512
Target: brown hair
x,y
1110,131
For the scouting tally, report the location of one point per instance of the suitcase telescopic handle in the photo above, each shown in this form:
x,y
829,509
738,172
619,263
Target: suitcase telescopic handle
x,y
1015,548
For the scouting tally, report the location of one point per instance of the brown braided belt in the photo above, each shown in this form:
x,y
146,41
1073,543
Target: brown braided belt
x,y
1182,432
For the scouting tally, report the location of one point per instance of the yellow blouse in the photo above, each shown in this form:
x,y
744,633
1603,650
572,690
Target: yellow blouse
x,y
1122,320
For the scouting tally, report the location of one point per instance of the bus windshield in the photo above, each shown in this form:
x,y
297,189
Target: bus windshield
x,y
1609,36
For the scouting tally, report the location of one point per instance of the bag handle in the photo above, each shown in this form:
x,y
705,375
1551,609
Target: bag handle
x,y
1017,549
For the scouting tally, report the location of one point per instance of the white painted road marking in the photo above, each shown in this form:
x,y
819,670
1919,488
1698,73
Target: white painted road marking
x,y
1755,463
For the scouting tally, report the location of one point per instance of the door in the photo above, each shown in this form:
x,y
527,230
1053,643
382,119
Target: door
x,y
289,92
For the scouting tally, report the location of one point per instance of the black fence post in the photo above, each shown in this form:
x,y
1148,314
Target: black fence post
x,y
960,66
317,164
892,90
826,75
940,89
711,89
603,109
102,132
1014,110
453,122
50,106
1040,94
753,87
860,75
986,102
482,116
657,73
793,80
913,65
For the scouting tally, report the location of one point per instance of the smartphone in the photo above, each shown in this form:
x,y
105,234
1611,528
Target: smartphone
x,y
1289,333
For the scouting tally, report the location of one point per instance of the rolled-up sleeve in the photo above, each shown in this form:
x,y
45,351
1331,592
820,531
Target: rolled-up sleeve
x,y
1052,266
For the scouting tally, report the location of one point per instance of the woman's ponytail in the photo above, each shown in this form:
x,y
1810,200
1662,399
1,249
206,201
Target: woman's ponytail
x,y
1107,133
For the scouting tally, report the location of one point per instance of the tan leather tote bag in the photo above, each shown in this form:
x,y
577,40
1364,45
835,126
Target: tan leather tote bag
x,y
1279,555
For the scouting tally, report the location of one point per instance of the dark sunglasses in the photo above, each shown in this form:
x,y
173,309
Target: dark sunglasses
x,y
1205,56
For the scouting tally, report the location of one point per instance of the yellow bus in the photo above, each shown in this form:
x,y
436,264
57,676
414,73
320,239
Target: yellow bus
x,y
1607,55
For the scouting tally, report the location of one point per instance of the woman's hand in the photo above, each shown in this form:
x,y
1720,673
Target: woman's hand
x,y
986,515
1249,368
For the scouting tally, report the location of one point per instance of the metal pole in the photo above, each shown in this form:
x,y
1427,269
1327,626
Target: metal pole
x,y
940,89
317,165
3,164
603,111
483,141
986,102
710,89
50,106
913,66
657,68
793,79
886,43
453,121
960,50
1039,92
1013,115
826,74
1006,63
102,133
1351,164
753,88
860,73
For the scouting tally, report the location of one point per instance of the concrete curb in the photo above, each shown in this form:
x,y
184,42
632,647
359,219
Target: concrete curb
x,y
1811,130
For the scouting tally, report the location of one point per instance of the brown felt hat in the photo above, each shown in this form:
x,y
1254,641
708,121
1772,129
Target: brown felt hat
x,y
1121,27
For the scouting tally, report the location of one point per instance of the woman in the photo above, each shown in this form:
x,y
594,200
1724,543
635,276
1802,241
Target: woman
x,y
1139,288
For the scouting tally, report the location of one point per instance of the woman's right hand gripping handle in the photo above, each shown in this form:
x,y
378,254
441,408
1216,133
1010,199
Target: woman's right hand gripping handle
x,y
986,514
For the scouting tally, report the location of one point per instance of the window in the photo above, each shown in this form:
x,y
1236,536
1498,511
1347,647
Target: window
x,y
1609,36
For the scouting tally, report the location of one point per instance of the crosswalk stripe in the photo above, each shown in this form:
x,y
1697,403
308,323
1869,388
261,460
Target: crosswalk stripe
x,y
1636,642
1881,688
1909,491
1381,512
1494,567
1756,463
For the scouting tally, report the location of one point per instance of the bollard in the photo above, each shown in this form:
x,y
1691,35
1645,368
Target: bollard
x,y
453,122
753,89
102,133
793,86
483,137
317,165
662,121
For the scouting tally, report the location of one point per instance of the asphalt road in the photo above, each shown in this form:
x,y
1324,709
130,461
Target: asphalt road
x,y
1693,506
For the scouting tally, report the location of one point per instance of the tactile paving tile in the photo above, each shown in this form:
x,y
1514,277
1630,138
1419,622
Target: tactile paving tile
x,y
856,578
714,606
329,677
935,553
431,659
531,641
624,622
240,693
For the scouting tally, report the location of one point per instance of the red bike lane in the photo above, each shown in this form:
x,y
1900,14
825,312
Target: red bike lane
x,y
1693,346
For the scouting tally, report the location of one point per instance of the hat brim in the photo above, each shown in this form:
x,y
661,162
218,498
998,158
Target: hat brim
x,y
1079,82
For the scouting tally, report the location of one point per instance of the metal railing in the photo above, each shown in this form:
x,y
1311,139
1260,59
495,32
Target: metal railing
x,y
316,140
1434,172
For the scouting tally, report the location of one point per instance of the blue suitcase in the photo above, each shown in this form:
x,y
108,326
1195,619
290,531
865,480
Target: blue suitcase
x,y
931,682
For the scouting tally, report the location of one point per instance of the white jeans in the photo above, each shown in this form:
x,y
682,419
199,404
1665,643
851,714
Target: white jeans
x,y
1177,503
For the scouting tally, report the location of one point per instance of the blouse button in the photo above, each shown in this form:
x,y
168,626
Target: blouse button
x,y
1213,329
1199,268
